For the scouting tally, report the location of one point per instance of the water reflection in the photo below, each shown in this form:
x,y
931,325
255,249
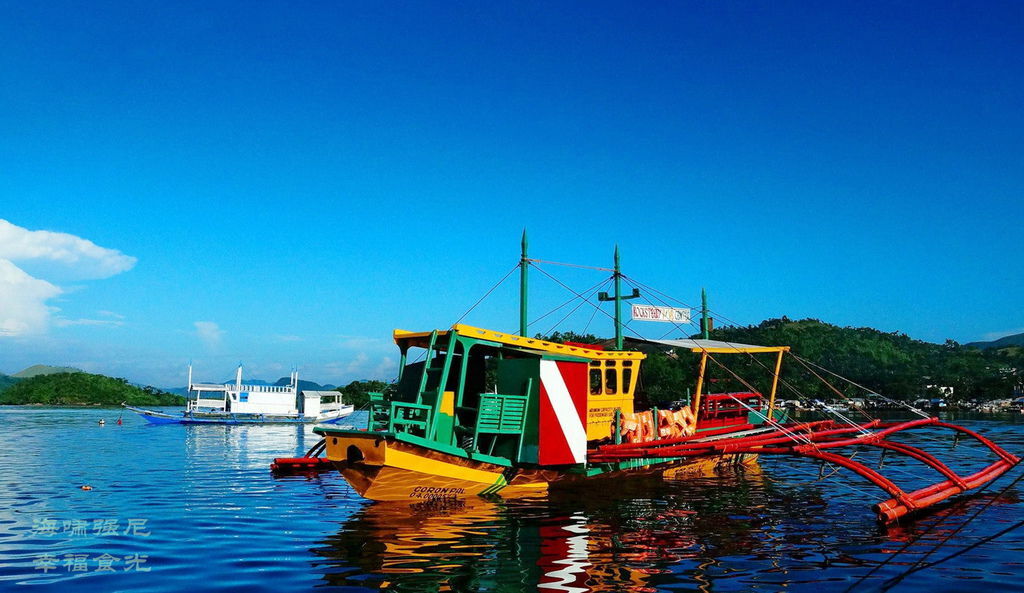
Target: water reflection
x,y
630,536
244,447
219,521
731,531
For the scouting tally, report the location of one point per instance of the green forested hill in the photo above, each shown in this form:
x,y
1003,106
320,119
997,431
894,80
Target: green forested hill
x,y
1016,340
70,389
889,363
6,381
42,369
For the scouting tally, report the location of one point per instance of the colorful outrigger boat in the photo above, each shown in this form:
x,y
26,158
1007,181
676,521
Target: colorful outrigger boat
x,y
493,413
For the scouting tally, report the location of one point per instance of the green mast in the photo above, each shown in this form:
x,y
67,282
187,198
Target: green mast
x,y
618,298
524,266
704,329
618,302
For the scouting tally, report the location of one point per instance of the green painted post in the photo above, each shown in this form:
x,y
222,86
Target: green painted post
x,y
618,426
618,302
524,265
618,298
704,313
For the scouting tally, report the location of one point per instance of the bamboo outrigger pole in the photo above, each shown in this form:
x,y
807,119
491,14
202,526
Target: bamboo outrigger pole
x,y
775,384
700,381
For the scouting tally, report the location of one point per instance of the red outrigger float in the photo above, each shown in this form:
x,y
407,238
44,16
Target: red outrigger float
x,y
818,440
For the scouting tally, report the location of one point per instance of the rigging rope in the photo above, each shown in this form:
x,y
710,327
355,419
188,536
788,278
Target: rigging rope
x,y
590,291
576,308
869,391
799,358
782,381
555,263
486,294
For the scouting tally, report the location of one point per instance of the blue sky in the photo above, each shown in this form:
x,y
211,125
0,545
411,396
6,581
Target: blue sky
x,y
284,185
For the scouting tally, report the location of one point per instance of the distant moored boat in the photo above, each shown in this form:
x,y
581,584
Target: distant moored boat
x,y
237,403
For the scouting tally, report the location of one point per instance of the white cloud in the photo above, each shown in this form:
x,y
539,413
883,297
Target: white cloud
x,y
386,369
209,333
23,308
84,258
23,297
357,364
363,343
61,322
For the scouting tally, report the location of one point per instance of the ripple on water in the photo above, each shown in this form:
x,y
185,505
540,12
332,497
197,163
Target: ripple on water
x,y
214,519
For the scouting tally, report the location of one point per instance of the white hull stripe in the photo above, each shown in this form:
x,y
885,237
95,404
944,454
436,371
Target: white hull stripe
x,y
565,410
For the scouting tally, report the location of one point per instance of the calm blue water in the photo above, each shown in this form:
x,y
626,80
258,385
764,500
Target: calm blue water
x,y
195,507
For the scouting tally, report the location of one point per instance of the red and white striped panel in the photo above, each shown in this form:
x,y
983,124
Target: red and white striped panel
x,y
563,412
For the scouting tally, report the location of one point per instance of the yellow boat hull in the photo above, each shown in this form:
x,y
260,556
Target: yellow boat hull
x,y
382,468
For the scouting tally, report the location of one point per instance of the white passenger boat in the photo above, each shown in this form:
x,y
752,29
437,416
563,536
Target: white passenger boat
x,y
238,403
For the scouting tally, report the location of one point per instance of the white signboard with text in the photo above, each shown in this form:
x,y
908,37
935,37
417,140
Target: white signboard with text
x,y
665,314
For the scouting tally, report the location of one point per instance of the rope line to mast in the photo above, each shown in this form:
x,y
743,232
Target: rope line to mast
x,y
486,294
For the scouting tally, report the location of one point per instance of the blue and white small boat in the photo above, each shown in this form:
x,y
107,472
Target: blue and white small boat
x,y
237,403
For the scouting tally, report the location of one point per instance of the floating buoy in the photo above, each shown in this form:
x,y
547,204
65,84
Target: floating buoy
x,y
286,464
86,487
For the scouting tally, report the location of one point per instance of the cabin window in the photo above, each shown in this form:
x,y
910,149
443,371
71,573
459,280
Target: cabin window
x,y
595,381
627,376
609,381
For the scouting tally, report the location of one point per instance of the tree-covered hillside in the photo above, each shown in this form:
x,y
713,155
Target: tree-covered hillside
x,y
892,364
42,369
70,389
6,381
357,393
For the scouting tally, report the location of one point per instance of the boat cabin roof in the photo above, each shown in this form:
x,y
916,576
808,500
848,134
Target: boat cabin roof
x,y
407,339
716,346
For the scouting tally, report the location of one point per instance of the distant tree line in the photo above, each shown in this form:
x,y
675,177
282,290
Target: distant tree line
x,y
892,364
85,389
357,393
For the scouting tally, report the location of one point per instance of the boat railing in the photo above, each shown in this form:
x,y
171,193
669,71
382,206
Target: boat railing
x,y
235,388
194,404
331,403
265,388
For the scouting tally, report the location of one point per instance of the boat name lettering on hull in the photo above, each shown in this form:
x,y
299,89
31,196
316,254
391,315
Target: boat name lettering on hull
x,y
435,492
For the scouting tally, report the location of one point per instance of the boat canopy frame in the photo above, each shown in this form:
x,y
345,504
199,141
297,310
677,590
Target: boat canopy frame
x,y
708,347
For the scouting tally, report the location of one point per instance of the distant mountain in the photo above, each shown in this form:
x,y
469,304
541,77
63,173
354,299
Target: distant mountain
x,y
1003,342
42,369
